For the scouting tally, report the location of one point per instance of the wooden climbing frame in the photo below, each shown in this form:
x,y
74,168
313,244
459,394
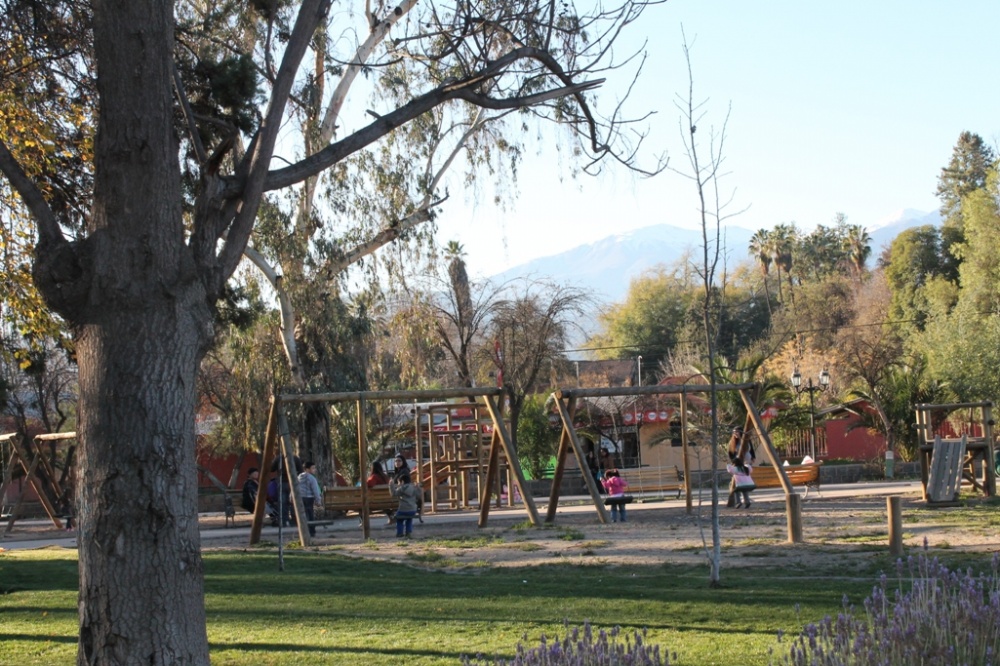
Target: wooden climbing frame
x,y
978,450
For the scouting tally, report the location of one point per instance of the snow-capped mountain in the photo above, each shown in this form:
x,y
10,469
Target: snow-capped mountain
x,y
886,229
606,266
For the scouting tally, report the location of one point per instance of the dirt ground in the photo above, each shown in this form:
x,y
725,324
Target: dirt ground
x,y
838,532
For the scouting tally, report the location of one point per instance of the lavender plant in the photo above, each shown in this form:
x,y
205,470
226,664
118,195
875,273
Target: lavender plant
x,y
581,647
936,616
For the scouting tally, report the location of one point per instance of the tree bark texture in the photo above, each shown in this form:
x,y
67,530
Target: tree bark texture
x,y
315,444
141,595
142,318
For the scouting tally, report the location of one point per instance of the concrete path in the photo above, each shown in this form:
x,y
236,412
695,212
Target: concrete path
x,y
576,504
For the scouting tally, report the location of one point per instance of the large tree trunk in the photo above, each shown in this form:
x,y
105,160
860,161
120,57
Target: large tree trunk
x,y
141,595
141,313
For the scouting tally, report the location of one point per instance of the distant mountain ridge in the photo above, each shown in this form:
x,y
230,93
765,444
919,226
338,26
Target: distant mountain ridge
x,y
605,267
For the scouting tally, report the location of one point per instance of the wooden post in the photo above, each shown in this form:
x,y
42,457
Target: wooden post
x,y
685,453
514,469
925,435
366,529
793,510
31,477
480,469
557,475
434,458
492,462
894,509
288,462
990,477
270,446
581,460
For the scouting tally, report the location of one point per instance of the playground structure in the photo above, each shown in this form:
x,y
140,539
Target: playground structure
x,y
566,403
451,462
947,462
48,466
456,455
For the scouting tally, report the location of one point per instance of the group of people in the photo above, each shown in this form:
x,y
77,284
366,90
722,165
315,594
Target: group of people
x,y
742,458
741,461
279,504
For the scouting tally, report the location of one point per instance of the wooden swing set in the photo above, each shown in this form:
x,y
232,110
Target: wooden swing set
x,y
278,442
566,402
48,469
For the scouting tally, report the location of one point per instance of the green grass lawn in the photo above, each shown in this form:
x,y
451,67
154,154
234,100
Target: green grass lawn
x,y
327,609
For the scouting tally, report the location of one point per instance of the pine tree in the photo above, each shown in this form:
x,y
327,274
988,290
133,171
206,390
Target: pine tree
x,y
970,164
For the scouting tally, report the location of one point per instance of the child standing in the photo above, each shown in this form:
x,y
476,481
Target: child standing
x,y
410,497
742,483
615,486
310,491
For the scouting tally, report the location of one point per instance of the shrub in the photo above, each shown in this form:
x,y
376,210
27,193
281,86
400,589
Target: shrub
x,y
938,616
580,648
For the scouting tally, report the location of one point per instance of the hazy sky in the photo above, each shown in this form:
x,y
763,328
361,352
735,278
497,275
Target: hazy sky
x,y
850,106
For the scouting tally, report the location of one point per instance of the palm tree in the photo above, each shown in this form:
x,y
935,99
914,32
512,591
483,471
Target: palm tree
x,y
857,243
783,238
459,279
760,249
904,385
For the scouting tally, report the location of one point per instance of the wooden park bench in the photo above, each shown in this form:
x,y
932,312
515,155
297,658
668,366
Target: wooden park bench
x,y
348,498
653,480
766,476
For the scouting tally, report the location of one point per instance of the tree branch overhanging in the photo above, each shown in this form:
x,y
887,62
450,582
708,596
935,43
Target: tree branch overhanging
x,y
49,232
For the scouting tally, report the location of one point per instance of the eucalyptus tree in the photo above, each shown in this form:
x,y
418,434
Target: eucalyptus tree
x,y
189,138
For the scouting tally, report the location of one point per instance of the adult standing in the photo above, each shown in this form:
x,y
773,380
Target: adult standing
x,y
741,454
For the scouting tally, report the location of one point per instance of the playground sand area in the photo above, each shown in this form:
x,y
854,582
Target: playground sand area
x,y
838,533
841,533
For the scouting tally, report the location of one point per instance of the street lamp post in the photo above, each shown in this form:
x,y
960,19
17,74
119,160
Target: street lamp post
x,y
811,389
639,359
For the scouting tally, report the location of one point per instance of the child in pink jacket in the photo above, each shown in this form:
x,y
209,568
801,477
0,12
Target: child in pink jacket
x,y
615,486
